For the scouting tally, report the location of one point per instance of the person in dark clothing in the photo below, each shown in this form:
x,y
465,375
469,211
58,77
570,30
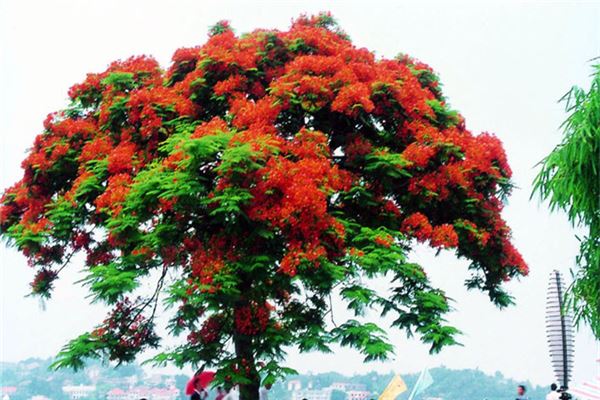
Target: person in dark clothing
x,y
199,392
521,393
553,395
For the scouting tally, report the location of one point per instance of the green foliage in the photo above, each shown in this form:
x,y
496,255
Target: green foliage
x,y
444,116
386,164
121,81
368,338
64,215
358,297
108,282
569,180
75,353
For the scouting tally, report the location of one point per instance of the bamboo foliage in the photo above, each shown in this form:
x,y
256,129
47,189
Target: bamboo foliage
x,y
569,180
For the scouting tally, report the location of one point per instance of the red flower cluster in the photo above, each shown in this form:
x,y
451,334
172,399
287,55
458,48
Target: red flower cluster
x,y
291,194
352,97
42,283
127,331
208,333
384,240
417,225
206,263
444,236
296,255
358,147
252,319
210,330
419,154
112,199
95,149
121,158
211,127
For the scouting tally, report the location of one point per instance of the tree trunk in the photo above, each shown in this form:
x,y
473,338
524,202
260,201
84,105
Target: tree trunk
x,y
243,350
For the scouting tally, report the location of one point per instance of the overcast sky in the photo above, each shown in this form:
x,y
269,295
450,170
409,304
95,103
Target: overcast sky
x,y
503,66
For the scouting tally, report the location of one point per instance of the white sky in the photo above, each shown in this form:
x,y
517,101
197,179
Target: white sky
x,y
503,66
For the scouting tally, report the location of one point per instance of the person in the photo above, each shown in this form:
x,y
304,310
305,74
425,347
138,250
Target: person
x,y
553,395
521,393
220,393
264,392
200,392
195,395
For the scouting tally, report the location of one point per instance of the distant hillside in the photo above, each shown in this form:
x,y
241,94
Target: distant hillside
x,y
32,378
448,384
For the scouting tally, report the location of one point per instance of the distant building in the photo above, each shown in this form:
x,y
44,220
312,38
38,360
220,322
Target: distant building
x,y
93,373
353,391
79,392
164,394
116,394
294,385
131,380
138,392
170,381
357,395
312,394
347,387
8,390
142,392
154,379
39,397
29,365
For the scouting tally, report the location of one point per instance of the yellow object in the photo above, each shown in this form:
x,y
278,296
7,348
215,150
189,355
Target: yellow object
x,y
393,389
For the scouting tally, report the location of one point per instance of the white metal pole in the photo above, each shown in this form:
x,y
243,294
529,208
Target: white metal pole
x,y
413,392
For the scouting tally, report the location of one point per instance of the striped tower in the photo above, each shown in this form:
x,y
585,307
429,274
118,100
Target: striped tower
x,y
559,331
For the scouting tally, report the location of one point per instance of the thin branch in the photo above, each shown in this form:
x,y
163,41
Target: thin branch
x,y
331,311
154,298
156,294
66,262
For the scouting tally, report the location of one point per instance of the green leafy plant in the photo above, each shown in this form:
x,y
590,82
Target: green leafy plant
x,y
569,180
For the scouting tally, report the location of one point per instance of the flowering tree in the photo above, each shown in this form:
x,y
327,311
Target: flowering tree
x,y
252,180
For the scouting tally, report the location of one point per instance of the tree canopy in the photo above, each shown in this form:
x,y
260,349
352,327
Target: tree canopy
x,y
569,180
252,180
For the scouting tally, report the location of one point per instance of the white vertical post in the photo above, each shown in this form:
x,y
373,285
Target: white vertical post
x,y
412,393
